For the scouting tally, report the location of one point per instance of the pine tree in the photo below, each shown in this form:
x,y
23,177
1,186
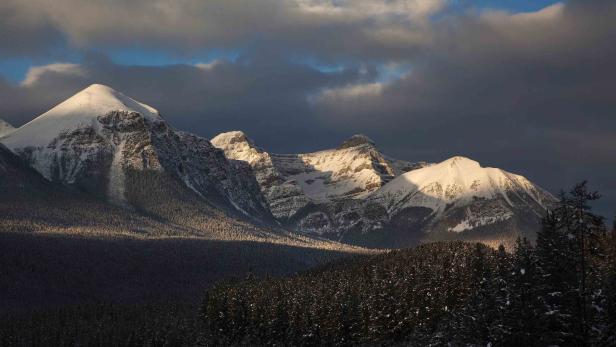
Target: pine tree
x,y
588,229
552,272
567,246
473,323
609,274
500,328
523,309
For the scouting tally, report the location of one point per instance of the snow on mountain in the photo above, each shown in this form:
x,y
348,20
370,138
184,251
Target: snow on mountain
x,y
456,182
458,195
355,193
292,182
284,196
5,128
108,144
99,138
80,110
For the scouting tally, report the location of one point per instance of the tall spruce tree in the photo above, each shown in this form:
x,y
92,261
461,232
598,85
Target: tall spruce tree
x,y
500,326
473,322
609,276
523,309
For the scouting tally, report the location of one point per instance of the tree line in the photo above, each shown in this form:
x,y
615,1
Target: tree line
x,y
560,291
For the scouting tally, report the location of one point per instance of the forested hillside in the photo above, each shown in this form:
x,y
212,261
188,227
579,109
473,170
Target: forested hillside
x,y
559,292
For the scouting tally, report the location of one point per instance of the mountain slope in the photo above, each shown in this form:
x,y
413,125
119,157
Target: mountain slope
x,y
99,138
5,128
61,246
30,203
17,178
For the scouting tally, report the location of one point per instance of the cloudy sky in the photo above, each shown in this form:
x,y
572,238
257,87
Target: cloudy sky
x,y
525,85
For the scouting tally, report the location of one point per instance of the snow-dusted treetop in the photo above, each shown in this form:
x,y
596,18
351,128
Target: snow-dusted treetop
x,y
5,128
78,111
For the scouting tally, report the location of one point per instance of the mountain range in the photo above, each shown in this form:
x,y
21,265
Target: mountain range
x,y
105,146
357,194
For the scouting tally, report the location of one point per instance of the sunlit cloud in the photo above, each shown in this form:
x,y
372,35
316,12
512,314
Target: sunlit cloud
x,y
64,69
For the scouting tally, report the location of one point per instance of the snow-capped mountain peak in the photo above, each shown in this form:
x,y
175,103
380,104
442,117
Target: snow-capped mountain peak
x,y
457,180
82,109
5,128
100,139
459,194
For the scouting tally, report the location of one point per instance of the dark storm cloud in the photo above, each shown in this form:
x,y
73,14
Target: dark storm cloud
x,y
261,94
25,34
531,93
351,28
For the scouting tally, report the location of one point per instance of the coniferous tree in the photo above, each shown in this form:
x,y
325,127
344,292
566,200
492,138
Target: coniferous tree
x,y
588,229
609,274
474,321
500,327
523,309
555,271
567,246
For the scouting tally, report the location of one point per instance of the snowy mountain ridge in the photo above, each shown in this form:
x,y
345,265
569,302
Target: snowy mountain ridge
x,y
292,182
354,190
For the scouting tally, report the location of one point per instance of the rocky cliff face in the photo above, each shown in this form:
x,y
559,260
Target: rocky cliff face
x,y
294,183
97,137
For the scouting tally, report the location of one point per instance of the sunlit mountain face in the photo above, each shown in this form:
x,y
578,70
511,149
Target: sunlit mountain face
x,y
307,172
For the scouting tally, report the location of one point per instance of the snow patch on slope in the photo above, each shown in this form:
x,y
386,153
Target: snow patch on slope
x,y
472,222
117,177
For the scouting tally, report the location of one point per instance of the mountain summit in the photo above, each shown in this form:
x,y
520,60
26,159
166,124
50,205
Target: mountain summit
x,y
111,145
80,110
356,140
